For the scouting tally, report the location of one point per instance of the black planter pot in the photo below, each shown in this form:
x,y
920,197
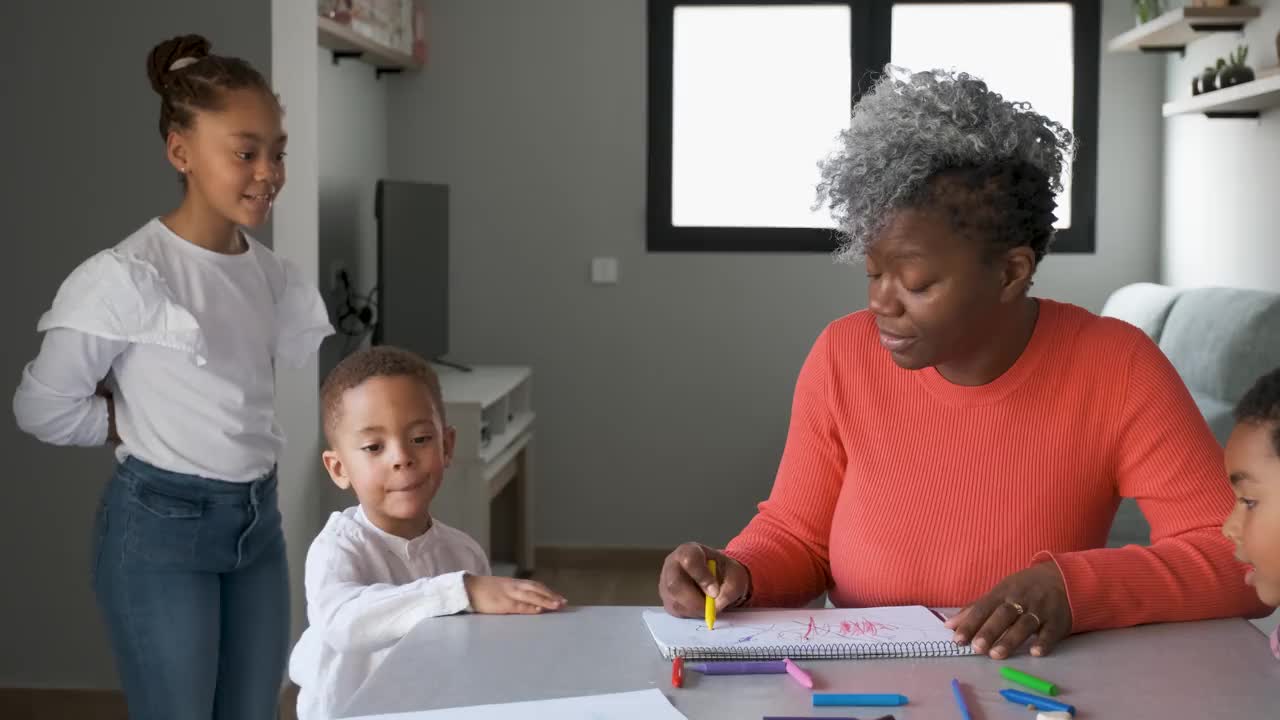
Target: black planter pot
x,y
1208,81
1234,76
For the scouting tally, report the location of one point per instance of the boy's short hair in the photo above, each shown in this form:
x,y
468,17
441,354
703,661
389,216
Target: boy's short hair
x,y
377,361
1261,405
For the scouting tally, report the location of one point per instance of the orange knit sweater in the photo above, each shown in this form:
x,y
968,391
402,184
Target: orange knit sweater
x,y
897,487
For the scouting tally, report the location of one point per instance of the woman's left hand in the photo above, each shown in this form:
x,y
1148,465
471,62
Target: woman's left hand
x,y
1031,601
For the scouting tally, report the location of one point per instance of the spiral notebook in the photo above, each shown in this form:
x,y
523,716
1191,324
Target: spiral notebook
x,y
847,633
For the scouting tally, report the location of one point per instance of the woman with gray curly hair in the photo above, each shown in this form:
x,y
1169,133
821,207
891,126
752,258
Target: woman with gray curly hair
x,y
960,443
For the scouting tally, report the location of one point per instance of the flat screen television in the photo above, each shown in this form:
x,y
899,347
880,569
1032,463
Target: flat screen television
x,y
413,267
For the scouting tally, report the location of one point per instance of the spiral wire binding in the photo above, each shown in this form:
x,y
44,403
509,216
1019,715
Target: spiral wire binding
x,y
825,651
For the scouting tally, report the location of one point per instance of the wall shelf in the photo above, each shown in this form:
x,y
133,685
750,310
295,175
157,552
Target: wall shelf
x,y
346,43
1174,30
1247,100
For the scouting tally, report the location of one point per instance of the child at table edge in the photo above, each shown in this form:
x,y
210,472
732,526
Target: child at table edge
x,y
1253,465
379,568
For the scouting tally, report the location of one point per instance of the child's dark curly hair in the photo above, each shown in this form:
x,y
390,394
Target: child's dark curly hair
x,y
1261,406
377,361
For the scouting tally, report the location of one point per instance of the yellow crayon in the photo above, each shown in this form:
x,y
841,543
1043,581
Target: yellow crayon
x,y
711,602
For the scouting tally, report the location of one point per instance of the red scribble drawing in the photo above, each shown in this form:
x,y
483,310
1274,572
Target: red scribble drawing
x,y
857,629
812,629
861,628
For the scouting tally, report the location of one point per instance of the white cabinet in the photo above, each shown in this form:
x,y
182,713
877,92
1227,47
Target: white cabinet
x,y
488,489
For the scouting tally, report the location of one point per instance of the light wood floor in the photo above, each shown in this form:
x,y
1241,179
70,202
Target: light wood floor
x,y
602,577
595,577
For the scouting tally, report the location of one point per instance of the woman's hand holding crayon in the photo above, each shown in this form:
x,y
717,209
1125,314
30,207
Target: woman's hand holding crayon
x,y
686,581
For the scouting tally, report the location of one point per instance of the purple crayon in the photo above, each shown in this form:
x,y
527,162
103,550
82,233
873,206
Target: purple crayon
x,y
752,667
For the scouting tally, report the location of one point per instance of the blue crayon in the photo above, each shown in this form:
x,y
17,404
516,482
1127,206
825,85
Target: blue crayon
x,y
858,699
1036,701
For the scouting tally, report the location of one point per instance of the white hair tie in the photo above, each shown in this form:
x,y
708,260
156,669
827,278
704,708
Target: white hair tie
x,y
183,62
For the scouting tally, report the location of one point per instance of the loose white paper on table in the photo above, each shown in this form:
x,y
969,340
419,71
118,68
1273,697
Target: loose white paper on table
x,y
640,705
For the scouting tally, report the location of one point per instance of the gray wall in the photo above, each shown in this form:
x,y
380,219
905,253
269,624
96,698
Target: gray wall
x,y
1220,213
1222,181
304,498
86,167
1130,137
663,400
353,157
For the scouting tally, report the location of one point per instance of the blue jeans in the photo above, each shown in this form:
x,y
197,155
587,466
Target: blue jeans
x,y
192,580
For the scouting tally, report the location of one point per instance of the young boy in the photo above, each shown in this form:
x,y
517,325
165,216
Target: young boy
x,y
1253,463
379,568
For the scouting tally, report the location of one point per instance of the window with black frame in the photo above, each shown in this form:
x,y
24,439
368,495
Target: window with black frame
x,y
746,97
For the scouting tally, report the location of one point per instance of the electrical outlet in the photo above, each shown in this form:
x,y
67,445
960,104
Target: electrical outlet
x,y
604,271
336,269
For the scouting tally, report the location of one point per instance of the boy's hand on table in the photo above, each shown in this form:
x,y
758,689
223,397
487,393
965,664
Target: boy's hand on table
x,y
509,596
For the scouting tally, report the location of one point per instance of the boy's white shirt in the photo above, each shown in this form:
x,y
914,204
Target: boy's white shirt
x,y
366,589
191,339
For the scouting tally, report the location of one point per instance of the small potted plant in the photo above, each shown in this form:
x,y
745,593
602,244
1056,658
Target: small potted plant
x,y
1234,70
1147,10
1209,78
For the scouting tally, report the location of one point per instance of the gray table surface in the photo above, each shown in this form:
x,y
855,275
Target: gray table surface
x,y
1212,669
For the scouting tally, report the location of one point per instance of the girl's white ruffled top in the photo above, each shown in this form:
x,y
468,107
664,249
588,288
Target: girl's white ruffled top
x,y
188,339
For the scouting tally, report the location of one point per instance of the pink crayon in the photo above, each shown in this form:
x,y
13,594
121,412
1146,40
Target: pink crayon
x,y
797,674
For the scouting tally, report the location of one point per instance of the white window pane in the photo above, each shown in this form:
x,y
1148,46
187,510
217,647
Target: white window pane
x,y
1023,51
759,95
